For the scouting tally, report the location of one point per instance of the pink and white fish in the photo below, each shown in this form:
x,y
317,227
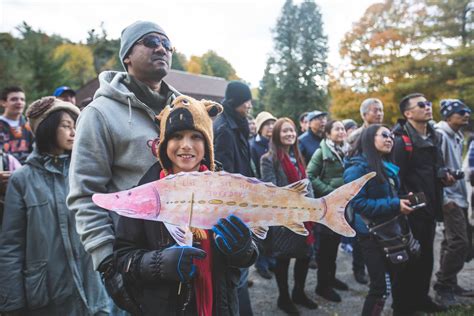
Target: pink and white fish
x,y
220,194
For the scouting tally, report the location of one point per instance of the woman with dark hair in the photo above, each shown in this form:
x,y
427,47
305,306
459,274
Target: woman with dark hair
x,y
325,171
377,202
283,165
44,269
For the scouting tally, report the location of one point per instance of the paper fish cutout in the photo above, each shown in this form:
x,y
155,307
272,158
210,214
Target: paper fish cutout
x,y
220,194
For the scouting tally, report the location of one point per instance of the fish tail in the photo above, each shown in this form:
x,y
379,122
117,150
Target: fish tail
x,y
334,205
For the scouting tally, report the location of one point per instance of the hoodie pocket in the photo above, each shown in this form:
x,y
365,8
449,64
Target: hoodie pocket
x,y
36,285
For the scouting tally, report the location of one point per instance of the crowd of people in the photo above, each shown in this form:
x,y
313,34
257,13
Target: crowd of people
x,y
60,254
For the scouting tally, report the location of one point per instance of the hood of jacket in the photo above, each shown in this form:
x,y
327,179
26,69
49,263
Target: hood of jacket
x,y
356,160
444,126
111,86
54,164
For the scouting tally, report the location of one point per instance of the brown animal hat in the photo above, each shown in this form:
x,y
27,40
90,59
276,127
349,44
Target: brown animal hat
x,y
40,109
186,113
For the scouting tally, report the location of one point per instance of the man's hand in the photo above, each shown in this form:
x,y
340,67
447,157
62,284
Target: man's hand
x,y
115,287
448,180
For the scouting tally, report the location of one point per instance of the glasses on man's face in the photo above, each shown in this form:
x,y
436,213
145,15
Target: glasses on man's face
x,y
386,135
463,112
153,41
424,104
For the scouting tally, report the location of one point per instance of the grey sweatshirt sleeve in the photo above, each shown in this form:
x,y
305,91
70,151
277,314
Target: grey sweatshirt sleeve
x,y
91,172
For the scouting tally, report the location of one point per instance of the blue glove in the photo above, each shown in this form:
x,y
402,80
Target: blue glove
x,y
232,236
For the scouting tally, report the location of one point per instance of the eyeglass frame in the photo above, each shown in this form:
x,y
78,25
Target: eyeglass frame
x,y
463,112
386,135
421,105
161,42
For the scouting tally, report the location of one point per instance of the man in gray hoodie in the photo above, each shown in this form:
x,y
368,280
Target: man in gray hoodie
x,y
454,247
114,141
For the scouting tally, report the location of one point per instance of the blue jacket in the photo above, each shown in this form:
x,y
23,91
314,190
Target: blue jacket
x,y
307,144
375,201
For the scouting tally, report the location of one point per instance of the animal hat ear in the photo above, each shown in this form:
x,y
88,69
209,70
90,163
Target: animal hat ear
x,y
160,116
212,108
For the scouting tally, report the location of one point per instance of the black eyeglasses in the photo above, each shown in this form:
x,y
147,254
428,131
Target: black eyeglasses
x,y
423,104
463,112
153,41
386,135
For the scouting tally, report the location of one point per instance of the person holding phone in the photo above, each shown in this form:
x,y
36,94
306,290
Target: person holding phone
x,y
378,201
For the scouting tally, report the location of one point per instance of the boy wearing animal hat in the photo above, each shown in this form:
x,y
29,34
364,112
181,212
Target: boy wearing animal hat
x,y
165,278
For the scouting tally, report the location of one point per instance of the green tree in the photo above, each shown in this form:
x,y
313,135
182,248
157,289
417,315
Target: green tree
x,y
11,71
43,73
179,61
215,65
104,50
78,66
402,46
194,65
295,76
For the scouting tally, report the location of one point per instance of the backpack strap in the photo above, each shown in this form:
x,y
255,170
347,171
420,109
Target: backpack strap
x,y
408,145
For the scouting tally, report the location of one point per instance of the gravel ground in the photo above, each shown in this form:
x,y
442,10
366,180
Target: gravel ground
x,y
264,293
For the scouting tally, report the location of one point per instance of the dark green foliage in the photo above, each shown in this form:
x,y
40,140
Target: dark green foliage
x,y
179,61
214,65
296,74
105,51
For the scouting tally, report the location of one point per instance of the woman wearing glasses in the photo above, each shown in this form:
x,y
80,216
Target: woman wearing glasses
x,y
378,201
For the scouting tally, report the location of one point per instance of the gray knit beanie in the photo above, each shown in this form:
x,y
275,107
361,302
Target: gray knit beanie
x,y
132,33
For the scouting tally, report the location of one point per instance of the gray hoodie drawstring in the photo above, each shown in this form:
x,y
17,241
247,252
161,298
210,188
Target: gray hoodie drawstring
x,y
129,111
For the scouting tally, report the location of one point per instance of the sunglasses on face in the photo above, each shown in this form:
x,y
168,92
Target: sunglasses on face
x,y
463,112
153,41
423,104
386,135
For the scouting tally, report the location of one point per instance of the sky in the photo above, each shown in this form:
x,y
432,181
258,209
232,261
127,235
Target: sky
x,y
239,31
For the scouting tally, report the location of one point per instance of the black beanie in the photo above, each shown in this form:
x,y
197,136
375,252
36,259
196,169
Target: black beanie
x,y
236,94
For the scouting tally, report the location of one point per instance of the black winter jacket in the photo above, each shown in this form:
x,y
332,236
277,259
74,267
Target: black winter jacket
x,y
419,168
231,147
134,237
258,147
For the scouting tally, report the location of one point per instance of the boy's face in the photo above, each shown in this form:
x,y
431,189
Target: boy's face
x,y
185,150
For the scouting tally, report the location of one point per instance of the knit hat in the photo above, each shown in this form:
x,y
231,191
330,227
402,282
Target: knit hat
x,y
132,33
40,109
263,117
451,106
236,94
349,123
315,114
186,113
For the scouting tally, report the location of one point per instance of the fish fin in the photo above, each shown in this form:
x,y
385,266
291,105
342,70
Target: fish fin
x,y
299,186
260,231
178,233
297,228
335,203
